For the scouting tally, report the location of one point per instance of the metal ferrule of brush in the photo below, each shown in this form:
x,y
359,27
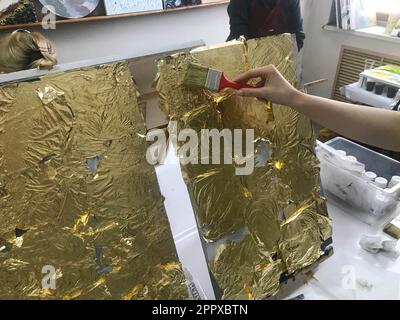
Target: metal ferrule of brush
x,y
213,80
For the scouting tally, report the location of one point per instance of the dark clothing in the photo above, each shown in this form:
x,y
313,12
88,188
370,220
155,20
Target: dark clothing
x,y
260,18
266,20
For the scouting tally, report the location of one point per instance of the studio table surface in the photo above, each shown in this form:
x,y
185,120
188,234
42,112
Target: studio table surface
x,y
350,273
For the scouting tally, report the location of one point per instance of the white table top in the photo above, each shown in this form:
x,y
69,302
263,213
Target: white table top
x,y
341,276
183,223
351,273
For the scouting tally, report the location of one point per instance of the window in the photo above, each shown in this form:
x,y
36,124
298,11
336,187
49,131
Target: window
x,y
367,16
386,6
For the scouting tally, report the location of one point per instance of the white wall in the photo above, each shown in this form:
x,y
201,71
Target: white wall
x,y
134,35
322,48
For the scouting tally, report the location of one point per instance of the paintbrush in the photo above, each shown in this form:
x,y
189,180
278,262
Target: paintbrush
x,y
213,80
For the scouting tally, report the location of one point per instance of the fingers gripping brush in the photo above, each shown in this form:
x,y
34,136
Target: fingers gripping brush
x,y
198,76
213,80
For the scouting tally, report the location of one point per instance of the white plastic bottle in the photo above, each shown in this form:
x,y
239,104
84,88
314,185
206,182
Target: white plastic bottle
x,y
341,153
394,182
371,176
381,182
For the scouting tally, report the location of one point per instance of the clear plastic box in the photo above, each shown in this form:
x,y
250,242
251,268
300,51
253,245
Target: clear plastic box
x,y
347,184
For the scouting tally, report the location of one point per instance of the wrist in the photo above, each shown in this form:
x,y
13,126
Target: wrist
x,y
297,98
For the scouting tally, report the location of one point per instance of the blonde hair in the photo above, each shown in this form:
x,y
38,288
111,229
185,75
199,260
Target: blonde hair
x,y
23,50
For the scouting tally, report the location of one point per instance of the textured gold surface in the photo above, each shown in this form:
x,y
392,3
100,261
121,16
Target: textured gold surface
x,y
74,178
284,219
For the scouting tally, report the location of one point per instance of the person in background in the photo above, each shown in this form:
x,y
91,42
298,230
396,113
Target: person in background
x,y
260,18
373,126
23,50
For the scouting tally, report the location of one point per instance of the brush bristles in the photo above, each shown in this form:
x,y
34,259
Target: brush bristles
x,y
196,76
392,230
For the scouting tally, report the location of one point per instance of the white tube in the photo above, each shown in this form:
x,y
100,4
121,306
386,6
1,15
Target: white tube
x,y
394,182
381,182
371,176
352,159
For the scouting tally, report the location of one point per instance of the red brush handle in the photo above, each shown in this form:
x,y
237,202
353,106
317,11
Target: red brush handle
x,y
226,83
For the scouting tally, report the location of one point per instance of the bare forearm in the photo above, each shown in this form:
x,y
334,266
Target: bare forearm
x,y
376,127
373,126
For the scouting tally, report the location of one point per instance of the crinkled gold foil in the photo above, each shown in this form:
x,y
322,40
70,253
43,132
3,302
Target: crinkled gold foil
x,y
244,272
77,193
278,205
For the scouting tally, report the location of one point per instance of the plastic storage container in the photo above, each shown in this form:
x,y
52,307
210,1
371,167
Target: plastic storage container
x,y
347,183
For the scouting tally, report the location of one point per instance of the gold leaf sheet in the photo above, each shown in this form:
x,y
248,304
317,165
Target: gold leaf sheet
x,y
278,205
74,178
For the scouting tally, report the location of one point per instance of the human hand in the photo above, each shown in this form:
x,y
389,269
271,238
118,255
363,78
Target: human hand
x,y
272,86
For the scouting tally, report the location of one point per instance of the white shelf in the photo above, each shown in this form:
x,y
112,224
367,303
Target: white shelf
x,y
206,3
376,33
